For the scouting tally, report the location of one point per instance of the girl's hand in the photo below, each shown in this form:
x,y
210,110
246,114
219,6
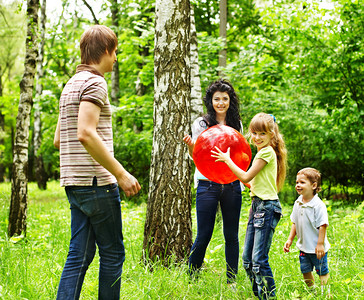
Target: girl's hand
x,y
287,245
221,156
188,140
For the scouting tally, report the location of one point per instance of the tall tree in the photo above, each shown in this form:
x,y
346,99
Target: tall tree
x,y
40,173
115,89
2,131
222,33
196,95
167,228
19,187
12,35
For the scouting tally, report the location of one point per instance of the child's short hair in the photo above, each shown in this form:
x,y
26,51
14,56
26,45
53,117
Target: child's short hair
x,y
94,43
313,176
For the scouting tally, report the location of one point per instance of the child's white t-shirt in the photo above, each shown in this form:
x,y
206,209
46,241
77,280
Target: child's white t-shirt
x,y
308,217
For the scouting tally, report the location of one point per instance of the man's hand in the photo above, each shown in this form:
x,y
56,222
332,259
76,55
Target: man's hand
x,y
129,184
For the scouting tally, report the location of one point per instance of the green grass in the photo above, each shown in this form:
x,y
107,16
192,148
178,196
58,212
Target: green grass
x,y
30,268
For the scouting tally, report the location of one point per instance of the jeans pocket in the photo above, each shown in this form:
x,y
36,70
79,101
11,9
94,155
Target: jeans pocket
x,y
276,218
259,219
87,201
202,189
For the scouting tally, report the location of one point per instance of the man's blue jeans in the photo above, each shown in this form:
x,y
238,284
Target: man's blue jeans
x,y
264,216
95,219
209,194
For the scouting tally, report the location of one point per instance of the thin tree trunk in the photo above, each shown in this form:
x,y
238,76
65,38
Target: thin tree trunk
x,y
196,95
19,187
168,226
2,131
115,88
40,173
140,88
223,23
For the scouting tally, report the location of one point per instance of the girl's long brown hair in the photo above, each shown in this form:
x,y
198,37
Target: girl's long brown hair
x,y
267,123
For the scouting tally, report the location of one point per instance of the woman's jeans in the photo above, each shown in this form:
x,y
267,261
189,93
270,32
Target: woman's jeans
x,y
95,219
264,216
209,194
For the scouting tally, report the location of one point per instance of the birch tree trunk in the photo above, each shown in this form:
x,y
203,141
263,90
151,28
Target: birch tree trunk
x,y
196,94
167,231
40,173
223,23
19,187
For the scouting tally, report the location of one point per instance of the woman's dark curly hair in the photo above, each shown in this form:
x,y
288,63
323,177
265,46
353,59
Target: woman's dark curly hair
x,y
232,114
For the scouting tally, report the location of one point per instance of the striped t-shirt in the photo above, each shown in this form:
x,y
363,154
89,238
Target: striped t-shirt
x,y
77,165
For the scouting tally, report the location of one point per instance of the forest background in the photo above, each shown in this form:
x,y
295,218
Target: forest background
x,y
299,60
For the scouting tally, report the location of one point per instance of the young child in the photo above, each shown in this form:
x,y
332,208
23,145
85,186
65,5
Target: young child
x,y
266,176
309,218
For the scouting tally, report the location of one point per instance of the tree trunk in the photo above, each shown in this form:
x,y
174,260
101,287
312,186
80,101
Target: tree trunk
x,y
40,173
196,95
2,131
168,226
140,88
115,88
19,187
223,22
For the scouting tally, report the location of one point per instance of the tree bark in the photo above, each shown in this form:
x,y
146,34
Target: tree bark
x,y
2,130
115,74
40,173
223,23
19,188
196,94
168,226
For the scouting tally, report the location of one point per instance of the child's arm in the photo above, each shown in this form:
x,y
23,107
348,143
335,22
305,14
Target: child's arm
x,y
320,249
241,174
290,239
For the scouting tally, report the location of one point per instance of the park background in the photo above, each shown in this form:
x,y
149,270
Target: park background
x,y
299,60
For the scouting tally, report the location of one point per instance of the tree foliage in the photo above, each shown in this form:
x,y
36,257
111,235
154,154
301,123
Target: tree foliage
x,y
300,60
305,65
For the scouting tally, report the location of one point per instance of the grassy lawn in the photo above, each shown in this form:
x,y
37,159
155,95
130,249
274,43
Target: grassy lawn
x,y
30,268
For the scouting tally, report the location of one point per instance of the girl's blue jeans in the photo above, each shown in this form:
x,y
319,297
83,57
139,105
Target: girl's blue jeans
x,y
264,216
209,194
95,219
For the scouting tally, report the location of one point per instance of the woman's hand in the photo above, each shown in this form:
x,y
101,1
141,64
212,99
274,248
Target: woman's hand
x,y
188,140
221,156
190,143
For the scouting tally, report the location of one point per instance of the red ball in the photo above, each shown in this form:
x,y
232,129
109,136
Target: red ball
x,y
223,137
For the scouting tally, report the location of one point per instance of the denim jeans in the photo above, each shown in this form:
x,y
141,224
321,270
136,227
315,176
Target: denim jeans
x,y
209,194
308,261
264,216
95,219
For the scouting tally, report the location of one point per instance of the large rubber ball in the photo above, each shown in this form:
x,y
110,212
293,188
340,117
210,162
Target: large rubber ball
x,y
223,137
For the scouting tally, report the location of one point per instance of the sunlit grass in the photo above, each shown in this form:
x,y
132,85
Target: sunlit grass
x,y
30,268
